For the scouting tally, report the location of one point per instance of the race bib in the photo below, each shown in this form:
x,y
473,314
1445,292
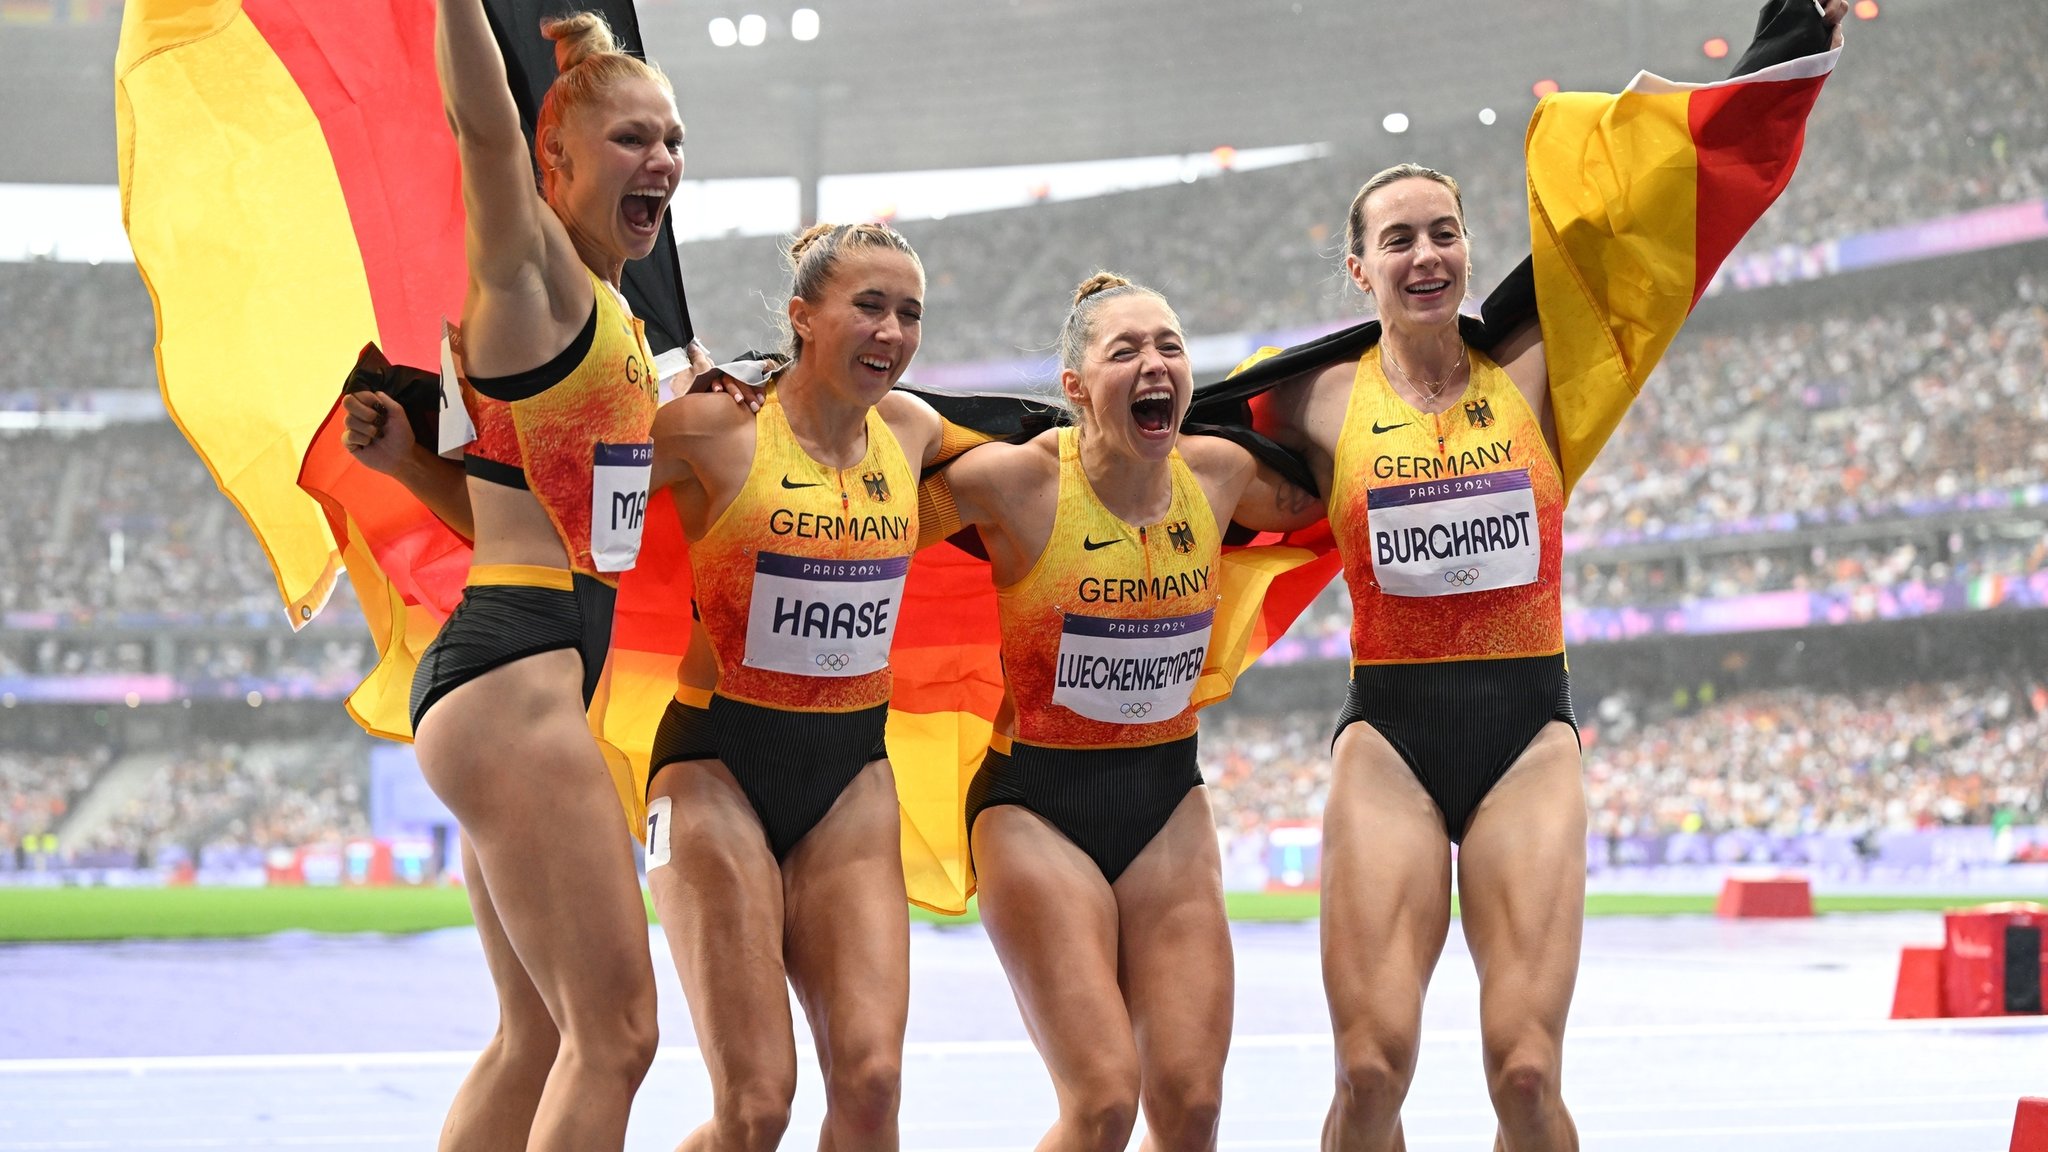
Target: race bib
x,y
456,428
812,617
1444,537
618,503
1130,671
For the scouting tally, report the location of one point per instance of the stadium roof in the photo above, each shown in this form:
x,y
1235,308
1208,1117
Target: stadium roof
x,y
915,84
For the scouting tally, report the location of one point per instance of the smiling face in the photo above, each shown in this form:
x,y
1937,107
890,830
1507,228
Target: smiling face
x,y
1412,254
865,324
1134,383
616,163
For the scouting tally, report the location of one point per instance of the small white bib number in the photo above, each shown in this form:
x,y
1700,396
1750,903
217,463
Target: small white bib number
x,y
1130,671
657,831
456,428
813,617
1446,537
619,475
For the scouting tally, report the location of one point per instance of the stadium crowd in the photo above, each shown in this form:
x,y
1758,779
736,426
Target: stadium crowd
x,y
224,795
1789,760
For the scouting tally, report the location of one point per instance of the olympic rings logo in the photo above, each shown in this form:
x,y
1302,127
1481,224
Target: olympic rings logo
x,y
1137,709
1462,577
834,661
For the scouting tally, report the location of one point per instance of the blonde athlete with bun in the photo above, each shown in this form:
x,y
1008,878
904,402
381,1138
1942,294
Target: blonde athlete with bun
x,y
774,848
560,383
1093,843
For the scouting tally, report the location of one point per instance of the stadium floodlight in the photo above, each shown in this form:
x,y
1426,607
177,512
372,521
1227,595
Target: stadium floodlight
x,y
1715,49
1486,116
803,24
1396,122
1544,88
753,29
723,33
1866,9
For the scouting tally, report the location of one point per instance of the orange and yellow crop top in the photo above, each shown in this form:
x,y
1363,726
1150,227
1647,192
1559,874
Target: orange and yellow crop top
x,y
1450,525
578,432
800,579
1105,638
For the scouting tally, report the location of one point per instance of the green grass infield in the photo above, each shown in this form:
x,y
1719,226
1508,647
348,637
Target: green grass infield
x,y
47,914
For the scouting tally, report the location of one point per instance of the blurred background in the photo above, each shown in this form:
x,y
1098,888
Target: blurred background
x,y
1806,584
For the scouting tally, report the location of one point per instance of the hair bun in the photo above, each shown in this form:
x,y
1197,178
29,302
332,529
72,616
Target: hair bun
x,y
806,239
579,36
1100,282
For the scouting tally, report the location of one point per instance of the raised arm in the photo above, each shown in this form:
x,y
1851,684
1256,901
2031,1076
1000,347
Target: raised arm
x,y
1246,491
505,241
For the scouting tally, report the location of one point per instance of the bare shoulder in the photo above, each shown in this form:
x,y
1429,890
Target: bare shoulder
x,y
701,414
916,424
1214,455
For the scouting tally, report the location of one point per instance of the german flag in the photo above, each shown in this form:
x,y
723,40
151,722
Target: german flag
x,y
292,193
1634,201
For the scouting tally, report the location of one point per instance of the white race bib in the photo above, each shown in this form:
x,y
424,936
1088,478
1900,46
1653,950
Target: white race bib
x,y
618,503
1130,671
813,617
456,429
1444,537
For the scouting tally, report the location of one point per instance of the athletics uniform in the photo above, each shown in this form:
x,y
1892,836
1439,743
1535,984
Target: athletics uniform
x,y
576,432
798,586
1450,530
1103,642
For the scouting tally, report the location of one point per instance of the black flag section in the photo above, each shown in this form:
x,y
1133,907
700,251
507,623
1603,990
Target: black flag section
x,y
653,285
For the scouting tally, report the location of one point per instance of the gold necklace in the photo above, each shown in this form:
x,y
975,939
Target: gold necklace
x,y
1387,351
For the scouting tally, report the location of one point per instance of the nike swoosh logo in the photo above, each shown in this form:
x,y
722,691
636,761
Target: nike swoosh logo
x,y
1092,545
812,484
1376,429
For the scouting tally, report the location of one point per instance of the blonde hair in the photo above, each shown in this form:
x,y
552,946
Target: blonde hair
x,y
814,254
588,61
1089,297
1354,221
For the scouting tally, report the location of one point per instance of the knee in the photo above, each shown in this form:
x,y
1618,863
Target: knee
x,y
1104,1110
525,1048
1523,1077
621,1042
1373,1076
862,1093
754,1118
1184,1114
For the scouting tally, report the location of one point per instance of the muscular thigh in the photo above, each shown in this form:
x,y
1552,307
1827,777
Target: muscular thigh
x,y
846,919
1174,939
1522,880
719,899
1053,920
1386,884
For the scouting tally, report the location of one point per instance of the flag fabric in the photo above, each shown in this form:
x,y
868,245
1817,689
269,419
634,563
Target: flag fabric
x,y
1634,201
292,192
289,188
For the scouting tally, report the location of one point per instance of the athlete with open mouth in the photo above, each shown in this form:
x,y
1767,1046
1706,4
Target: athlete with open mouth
x,y
1092,840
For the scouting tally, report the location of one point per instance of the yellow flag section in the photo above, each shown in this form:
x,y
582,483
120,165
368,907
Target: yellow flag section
x,y
291,192
243,375
1634,201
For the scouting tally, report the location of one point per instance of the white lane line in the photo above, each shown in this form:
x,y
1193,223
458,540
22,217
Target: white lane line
x,y
1481,1139
357,1061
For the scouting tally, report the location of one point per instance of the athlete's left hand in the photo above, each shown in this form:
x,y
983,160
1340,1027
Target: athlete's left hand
x,y
711,378
1832,13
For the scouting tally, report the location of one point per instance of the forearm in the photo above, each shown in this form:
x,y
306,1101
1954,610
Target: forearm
x,y
441,486
474,89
